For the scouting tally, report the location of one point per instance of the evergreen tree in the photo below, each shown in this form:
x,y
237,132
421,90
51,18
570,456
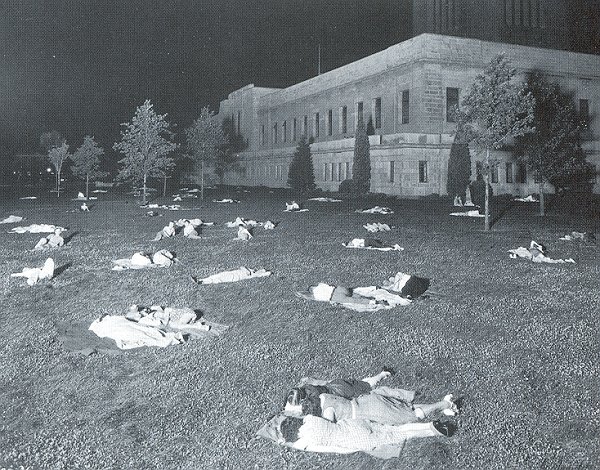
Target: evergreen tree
x,y
146,144
495,110
86,162
370,127
459,165
361,166
553,150
301,176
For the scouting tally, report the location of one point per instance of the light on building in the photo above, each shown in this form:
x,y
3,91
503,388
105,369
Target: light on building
x,y
49,170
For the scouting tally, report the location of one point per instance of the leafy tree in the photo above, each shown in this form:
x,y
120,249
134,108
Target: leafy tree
x,y
361,166
146,144
206,142
495,110
228,159
51,139
459,165
86,162
57,156
301,176
553,150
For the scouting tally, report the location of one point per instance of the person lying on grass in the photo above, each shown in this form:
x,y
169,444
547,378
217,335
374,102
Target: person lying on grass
x,y
346,388
315,433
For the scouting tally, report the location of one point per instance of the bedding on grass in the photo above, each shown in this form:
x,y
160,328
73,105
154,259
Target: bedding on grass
x,y
227,201
324,199
34,275
457,201
474,213
376,210
371,244
377,227
36,228
293,207
11,219
536,253
243,234
233,276
240,221
140,260
28,197
269,225
529,198
167,231
579,236
172,207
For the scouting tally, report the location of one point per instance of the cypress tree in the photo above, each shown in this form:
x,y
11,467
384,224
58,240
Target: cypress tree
x,y
301,176
459,165
361,169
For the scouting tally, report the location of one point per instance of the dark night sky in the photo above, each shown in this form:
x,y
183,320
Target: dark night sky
x,y
81,67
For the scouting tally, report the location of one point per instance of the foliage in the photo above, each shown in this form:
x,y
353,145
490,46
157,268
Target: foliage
x,y
459,165
477,189
553,150
146,143
206,141
236,141
228,159
361,166
57,156
301,176
86,161
495,110
347,187
370,127
51,139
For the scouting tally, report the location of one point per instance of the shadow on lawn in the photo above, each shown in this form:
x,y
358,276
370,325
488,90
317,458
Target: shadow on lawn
x,y
61,269
68,238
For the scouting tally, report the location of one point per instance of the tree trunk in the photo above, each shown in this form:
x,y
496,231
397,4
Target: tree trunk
x,y
487,190
144,191
165,185
58,183
87,187
202,180
542,204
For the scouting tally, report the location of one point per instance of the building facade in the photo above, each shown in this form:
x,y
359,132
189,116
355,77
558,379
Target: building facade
x,y
406,93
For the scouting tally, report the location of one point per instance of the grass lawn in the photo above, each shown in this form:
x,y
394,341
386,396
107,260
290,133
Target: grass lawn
x,y
519,341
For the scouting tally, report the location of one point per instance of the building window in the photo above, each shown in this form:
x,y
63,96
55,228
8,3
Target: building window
x,y
262,134
326,174
330,122
377,106
294,128
305,126
284,131
343,119
332,165
509,172
239,122
521,173
423,171
275,133
405,107
348,171
392,171
451,104
359,112
494,174
537,177
584,113
341,173
316,130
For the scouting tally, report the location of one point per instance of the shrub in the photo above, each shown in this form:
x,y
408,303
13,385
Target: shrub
x,y
361,167
347,187
478,192
301,176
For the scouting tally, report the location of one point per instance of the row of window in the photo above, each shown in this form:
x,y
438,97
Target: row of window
x,y
523,13
294,128
514,173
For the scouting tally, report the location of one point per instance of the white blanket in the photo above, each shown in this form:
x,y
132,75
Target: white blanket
x,y
583,236
377,227
34,275
11,219
51,241
324,199
36,228
243,234
376,210
529,198
129,334
162,258
240,221
467,214
360,243
536,253
234,276
227,201
28,197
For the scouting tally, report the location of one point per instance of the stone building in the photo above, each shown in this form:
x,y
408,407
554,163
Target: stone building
x,y
406,92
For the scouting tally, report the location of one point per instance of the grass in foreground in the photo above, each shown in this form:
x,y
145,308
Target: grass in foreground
x,y
518,341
